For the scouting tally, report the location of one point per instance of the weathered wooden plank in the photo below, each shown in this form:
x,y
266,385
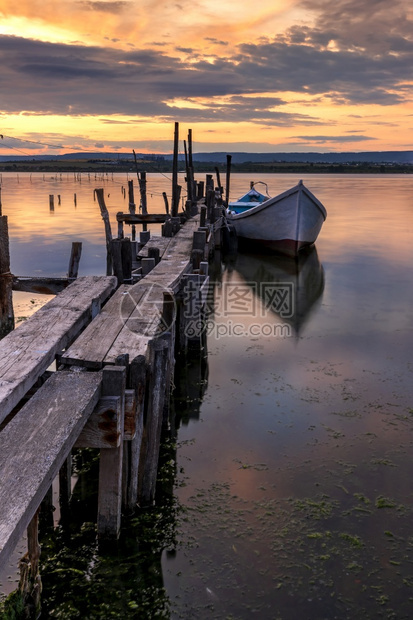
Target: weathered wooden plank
x,y
92,346
141,218
35,444
102,430
43,286
29,350
155,242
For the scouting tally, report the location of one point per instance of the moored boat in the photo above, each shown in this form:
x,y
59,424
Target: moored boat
x,y
286,223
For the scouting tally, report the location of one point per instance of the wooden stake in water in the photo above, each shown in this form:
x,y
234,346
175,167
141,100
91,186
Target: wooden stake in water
x,y
6,281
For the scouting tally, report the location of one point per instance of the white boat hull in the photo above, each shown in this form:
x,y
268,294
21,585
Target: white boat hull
x,y
286,223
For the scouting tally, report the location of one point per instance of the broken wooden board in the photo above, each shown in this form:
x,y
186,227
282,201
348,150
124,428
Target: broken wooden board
x,y
35,444
29,350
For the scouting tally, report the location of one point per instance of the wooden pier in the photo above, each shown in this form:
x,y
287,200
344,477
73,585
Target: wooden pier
x,y
113,342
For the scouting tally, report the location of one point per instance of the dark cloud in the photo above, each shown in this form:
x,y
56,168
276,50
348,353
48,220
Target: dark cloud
x,y
341,139
216,41
353,53
106,7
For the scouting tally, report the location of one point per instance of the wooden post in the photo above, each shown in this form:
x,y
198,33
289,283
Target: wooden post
x,y
200,190
142,188
210,203
137,381
126,253
209,182
74,259
116,258
219,186
110,469
154,253
175,198
157,390
30,585
132,206
108,232
121,251
144,237
51,202
165,199
228,177
6,281
202,220
65,487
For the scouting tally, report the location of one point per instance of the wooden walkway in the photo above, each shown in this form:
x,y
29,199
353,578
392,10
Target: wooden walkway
x,y
115,350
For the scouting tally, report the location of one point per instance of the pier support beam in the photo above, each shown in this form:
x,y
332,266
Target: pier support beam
x,y
110,469
157,390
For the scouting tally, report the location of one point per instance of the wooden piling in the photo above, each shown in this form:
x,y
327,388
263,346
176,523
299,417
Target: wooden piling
x,y
175,197
157,391
108,232
132,206
110,467
51,202
228,179
30,585
74,260
165,199
137,381
6,281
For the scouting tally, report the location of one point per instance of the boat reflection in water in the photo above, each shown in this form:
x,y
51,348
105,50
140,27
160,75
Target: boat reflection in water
x,y
287,286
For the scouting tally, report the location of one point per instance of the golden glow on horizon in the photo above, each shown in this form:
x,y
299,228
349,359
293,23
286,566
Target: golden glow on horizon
x,y
205,32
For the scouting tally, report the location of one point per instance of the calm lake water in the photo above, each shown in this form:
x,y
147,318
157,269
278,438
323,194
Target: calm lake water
x,y
292,494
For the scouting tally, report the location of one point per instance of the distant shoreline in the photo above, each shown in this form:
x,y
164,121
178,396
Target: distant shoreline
x,y
85,166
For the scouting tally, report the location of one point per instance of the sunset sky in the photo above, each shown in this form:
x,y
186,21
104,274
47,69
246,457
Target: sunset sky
x,y
273,75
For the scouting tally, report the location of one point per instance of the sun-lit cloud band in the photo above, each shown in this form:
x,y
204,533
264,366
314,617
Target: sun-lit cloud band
x,y
310,75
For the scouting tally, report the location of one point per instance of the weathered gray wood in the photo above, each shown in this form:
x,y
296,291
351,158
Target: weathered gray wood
x,y
165,199
102,430
228,179
65,486
142,189
141,218
138,370
158,364
29,350
161,243
132,205
199,239
129,427
30,585
175,196
33,447
43,286
74,259
99,193
154,252
92,346
144,236
147,265
110,467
